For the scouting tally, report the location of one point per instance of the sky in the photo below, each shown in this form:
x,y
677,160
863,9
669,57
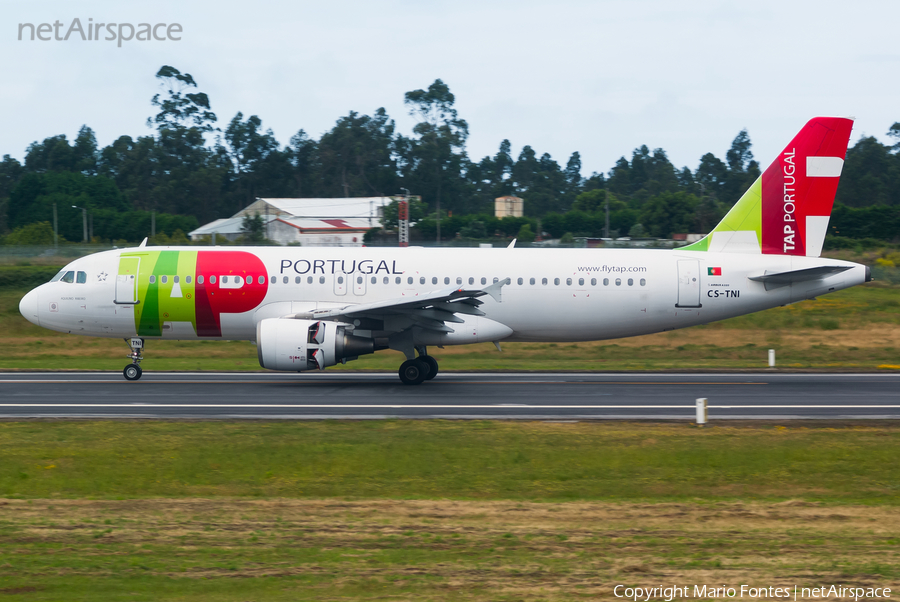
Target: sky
x,y
597,77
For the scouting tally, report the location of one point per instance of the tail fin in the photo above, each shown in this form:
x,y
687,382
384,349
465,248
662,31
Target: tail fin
x,y
786,211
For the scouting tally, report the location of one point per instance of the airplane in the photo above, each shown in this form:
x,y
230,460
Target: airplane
x,y
309,308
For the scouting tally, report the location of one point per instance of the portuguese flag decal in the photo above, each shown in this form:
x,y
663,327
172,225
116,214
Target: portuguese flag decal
x,y
713,271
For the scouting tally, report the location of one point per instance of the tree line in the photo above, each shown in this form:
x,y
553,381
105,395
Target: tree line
x,y
191,169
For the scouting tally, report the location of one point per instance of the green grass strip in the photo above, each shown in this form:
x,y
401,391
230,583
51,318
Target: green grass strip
x,y
444,459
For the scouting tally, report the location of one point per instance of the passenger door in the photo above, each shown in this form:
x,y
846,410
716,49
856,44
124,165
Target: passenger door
x,y
688,283
126,281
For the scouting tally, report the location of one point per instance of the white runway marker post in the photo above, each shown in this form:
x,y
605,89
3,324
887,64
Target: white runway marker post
x,y
771,358
701,411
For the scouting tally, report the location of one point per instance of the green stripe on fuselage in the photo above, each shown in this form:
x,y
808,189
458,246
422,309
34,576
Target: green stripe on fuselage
x,y
168,301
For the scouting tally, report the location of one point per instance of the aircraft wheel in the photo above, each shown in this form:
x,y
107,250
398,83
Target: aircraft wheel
x,y
132,372
432,365
413,372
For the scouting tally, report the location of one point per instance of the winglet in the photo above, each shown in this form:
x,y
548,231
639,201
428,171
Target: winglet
x,y
494,289
512,245
143,242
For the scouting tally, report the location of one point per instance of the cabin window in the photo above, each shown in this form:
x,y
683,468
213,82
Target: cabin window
x,y
69,278
409,280
421,279
531,281
175,279
496,280
297,279
484,281
520,281
446,280
593,282
261,279
359,280
643,282
340,280
458,280
568,282
285,279
81,278
309,280
397,280
556,281
374,279
165,279
581,282
386,280
200,279
618,282
544,281
151,279
274,279
321,279
606,282
631,282
187,280
434,280
224,280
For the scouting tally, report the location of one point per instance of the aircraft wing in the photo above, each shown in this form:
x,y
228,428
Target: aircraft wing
x,y
430,310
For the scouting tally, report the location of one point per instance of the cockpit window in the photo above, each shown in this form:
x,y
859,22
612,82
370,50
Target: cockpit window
x,y
81,278
69,277
58,276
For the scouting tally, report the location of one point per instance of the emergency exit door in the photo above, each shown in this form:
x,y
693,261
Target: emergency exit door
x,y
688,283
359,284
340,284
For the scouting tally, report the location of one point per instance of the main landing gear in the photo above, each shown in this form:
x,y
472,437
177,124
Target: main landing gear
x,y
418,370
133,370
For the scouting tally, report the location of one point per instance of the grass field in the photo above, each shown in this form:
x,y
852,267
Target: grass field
x,y
434,510
854,329
239,550
449,459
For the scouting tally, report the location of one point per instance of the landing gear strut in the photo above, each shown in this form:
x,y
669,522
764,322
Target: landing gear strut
x,y
133,370
418,370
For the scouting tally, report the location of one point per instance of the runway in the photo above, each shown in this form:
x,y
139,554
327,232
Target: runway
x,y
549,396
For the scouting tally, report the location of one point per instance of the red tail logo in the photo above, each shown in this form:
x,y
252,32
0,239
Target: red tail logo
x,y
798,188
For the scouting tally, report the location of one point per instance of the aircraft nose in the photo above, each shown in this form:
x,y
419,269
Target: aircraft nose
x,y
28,307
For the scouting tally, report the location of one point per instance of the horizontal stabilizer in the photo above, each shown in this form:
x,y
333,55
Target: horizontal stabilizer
x,y
778,279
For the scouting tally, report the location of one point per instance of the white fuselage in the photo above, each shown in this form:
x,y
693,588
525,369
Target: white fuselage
x,y
554,294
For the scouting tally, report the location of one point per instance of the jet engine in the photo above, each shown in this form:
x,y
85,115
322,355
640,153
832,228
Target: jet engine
x,y
296,345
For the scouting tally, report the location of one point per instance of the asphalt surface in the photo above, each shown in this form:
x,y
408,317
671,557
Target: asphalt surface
x,y
551,396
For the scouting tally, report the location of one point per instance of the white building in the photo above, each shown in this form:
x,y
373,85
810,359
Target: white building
x,y
508,206
308,222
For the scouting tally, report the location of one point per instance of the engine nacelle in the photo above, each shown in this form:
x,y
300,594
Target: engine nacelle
x,y
296,345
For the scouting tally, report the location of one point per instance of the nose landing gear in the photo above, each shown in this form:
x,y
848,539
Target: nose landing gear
x,y
133,370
